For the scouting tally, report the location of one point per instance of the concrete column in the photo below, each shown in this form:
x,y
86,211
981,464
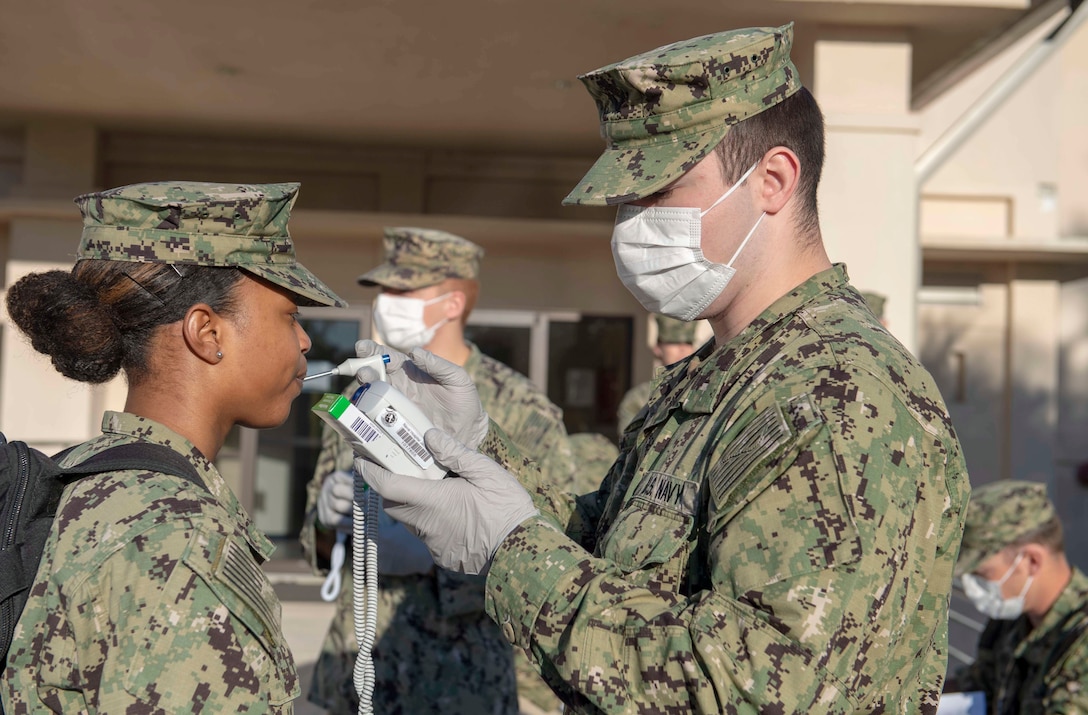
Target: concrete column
x,y
1035,324
867,202
1071,495
37,404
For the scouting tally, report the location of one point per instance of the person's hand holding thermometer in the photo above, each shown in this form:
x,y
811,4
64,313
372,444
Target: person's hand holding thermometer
x,y
383,428
379,423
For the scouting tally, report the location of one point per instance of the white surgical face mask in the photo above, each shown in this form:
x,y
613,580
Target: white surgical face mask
x,y
986,595
399,321
659,257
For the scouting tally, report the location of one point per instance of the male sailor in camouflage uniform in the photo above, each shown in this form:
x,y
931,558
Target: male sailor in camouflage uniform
x,y
780,530
675,341
1033,655
436,648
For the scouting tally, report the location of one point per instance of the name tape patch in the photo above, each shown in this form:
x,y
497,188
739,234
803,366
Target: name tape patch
x,y
671,492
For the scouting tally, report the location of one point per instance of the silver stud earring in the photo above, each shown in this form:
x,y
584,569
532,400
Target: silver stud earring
x,y
219,354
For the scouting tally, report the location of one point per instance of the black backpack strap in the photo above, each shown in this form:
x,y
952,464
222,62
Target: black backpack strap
x,y
136,455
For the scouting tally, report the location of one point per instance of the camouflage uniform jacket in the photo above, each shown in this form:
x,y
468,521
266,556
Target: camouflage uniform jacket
x,y
632,403
436,648
1040,670
530,419
778,534
150,597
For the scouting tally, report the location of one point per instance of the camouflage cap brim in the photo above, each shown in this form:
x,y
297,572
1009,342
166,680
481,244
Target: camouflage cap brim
x,y
299,280
627,173
970,558
272,258
389,276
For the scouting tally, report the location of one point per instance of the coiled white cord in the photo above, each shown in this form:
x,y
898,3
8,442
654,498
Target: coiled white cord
x,y
364,576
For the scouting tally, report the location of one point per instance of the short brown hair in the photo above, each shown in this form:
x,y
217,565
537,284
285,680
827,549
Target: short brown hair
x,y
797,124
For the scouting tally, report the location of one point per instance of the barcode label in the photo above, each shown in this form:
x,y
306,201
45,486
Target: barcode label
x,y
408,437
412,445
364,429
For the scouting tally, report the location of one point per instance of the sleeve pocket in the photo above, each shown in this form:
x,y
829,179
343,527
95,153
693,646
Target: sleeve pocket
x,y
213,634
244,589
800,522
239,584
757,453
661,505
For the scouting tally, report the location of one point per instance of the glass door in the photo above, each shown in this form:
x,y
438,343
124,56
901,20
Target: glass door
x,y
589,370
582,362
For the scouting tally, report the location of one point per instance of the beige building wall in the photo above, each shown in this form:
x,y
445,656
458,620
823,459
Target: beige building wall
x,y
1072,445
1071,101
866,193
1006,218
959,332
1012,359
1009,168
1035,386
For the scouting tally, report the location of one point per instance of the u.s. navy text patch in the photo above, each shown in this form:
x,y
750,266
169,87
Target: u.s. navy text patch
x,y
671,492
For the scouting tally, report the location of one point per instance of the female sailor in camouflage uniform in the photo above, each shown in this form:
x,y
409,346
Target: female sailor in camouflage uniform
x,y
150,596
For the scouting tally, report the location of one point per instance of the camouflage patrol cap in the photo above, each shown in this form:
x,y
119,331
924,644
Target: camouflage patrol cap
x,y
240,226
671,330
421,257
998,515
664,110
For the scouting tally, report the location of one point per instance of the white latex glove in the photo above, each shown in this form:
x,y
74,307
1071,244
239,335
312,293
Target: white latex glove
x,y
462,519
443,391
334,502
